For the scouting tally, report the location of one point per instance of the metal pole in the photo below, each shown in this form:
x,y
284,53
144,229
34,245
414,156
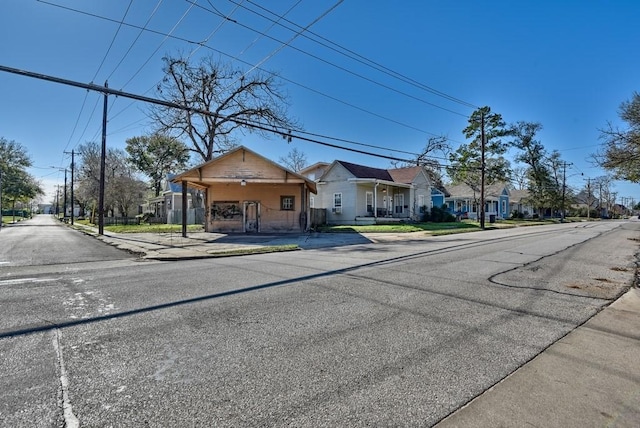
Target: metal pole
x,y
72,204
184,209
64,208
482,171
0,198
588,199
102,164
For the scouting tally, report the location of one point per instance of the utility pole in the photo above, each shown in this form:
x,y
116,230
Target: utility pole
x,y
72,199
102,164
588,198
482,170
564,188
0,198
64,210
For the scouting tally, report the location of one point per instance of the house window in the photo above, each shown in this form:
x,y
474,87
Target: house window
x,y
504,207
369,202
287,203
421,206
399,203
337,200
312,203
337,203
226,210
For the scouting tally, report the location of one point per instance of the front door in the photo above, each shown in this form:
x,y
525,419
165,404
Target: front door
x,y
398,201
251,216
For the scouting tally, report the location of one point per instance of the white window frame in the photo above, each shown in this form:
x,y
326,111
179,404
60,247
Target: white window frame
x,y
337,200
398,203
368,201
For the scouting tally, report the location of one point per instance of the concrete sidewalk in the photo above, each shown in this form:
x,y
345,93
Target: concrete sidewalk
x,y
589,378
173,246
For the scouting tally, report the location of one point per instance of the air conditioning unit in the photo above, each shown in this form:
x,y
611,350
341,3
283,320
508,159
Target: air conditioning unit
x,y
336,210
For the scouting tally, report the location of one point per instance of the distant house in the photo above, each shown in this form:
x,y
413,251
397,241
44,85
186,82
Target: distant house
x,y
438,197
167,207
463,201
358,194
246,192
520,202
314,172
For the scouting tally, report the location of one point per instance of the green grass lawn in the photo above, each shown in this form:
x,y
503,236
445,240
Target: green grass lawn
x,y
403,227
434,228
146,228
6,219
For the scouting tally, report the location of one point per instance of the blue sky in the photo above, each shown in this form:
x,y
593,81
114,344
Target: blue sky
x,y
566,64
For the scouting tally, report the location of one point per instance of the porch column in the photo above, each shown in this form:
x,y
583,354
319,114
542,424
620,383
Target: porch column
x,y
184,209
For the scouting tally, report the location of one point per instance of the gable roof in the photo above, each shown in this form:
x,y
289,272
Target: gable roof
x,y
517,196
171,185
361,171
466,191
406,175
194,175
317,165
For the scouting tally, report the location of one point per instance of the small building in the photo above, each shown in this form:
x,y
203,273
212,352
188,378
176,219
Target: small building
x,y
246,192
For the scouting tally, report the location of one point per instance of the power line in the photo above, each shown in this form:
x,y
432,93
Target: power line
x,y
341,68
273,23
136,39
288,42
166,36
357,57
113,40
108,91
249,64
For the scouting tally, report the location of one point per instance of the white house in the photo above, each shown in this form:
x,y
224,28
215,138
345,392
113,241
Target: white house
x,y
358,194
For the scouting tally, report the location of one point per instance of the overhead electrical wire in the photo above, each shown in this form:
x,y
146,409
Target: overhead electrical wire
x,y
249,64
351,54
339,67
166,36
110,91
136,39
291,39
273,24
112,41
244,62
215,30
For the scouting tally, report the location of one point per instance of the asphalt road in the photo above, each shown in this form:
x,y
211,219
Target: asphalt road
x,y
396,334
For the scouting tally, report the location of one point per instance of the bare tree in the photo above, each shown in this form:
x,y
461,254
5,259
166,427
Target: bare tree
x,y
122,187
519,178
295,160
427,158
621,150
235,102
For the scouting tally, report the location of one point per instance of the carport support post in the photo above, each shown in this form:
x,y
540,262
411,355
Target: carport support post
x,y
184,209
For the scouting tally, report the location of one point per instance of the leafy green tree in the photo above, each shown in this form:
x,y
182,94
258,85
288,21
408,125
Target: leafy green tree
x,y
16,185
20,186
466,162
620,153
235,101
532,153
156,155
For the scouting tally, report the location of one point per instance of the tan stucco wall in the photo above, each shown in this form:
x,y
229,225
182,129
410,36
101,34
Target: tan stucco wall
x,y
272,218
